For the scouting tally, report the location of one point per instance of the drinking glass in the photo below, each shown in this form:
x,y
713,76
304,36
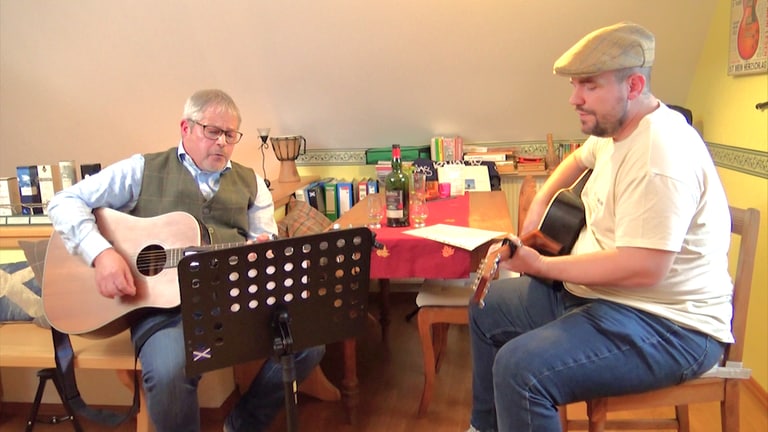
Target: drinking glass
x,y
375,210
419,211
420,184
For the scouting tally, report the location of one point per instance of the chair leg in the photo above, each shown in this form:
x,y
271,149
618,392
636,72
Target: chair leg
x,y
440,341
423,319
562,410
597,414
683,418
729,407
126,377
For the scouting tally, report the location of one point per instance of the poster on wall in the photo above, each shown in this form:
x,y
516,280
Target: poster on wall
x,y
748,49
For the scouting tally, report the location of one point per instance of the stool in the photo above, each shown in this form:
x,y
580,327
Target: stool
x,y
44,375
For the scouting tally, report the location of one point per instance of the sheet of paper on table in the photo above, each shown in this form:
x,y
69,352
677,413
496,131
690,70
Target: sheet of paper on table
x,y
461,237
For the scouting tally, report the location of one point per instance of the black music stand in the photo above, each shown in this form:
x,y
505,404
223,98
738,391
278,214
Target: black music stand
x,y
274,298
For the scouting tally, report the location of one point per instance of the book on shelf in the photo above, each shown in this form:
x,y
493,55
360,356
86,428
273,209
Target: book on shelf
x,y
491,156
373,186
316,193
472,148
345,195
29,189
68,173
434,148
315,197
362,188
530,166
301,193
446,148
331,200
49,182
383,169
89,169
10,197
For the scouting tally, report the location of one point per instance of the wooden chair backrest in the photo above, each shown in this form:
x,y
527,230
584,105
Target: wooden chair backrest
x,y
746,224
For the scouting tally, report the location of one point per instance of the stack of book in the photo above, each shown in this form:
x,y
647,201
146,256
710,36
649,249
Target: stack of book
x,y
527,164
491,155
446,148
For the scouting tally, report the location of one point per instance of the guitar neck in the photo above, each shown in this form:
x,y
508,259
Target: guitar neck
x,y
578,186
489,269
175,255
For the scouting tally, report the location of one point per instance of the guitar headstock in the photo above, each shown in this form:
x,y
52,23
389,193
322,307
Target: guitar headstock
x,y
489,269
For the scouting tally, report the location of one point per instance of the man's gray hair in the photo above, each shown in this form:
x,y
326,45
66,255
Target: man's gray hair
x,y
201,100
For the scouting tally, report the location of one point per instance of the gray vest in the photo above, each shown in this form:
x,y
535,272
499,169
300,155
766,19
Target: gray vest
x,y
168,186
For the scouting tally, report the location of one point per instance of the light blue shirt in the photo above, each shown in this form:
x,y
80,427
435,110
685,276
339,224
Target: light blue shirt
x,y
118,186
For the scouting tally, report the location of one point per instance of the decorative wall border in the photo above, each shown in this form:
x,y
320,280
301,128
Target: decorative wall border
x,y
747,161
752,162
332,157
356,156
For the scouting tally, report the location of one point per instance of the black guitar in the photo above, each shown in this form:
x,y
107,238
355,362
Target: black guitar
x,y
556,234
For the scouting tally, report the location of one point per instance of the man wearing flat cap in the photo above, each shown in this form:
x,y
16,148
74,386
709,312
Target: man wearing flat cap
x,y
643,300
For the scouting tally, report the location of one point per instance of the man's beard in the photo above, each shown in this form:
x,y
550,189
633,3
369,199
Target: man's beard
x,y
605,127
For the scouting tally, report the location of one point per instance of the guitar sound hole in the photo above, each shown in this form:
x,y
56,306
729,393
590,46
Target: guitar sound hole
x,y
151,260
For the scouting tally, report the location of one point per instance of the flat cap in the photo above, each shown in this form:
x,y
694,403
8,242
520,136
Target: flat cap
x,y
619,46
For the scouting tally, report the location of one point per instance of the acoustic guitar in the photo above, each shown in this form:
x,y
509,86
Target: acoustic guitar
x,y
748,37
556,235
153,248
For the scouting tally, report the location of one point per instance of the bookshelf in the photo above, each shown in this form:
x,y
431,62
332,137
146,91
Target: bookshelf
x,y
11,234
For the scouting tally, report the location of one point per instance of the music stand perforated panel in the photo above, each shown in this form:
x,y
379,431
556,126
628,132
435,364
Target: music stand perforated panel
x,y
229,297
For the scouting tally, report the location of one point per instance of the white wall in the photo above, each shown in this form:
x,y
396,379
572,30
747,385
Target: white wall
x,y
96,80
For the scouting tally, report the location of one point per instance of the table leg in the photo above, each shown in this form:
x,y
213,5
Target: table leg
x,y
384,319
350,386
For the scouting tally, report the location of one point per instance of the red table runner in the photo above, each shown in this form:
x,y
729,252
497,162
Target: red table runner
x,y
407,256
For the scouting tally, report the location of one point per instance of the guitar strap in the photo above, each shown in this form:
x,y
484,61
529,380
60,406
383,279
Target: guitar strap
x,y
65,369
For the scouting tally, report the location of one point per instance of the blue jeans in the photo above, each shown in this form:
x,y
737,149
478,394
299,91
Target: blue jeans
x,y
535,347
172,397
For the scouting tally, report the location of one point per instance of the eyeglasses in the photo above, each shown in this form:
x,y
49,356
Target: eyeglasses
x,y
213,133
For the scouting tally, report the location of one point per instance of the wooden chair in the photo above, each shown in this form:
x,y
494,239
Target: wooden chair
x,y
719,384
444,302
441,303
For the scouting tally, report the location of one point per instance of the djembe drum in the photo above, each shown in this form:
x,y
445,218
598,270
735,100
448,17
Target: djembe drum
x,y
287,150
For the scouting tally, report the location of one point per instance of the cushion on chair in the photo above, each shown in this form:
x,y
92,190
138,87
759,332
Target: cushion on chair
x,y
445,292
301,219
19,293
451,292
35,252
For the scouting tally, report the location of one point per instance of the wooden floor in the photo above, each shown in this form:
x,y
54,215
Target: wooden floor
x,y
391,382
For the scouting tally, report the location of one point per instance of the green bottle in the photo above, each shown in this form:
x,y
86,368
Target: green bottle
x,y
397,192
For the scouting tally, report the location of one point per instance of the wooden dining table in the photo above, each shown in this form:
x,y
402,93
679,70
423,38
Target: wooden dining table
x,y
481,210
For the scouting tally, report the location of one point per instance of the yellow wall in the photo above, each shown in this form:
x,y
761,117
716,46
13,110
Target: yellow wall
x,y
724,111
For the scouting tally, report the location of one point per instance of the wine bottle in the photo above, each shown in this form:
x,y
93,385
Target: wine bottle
x,y
397,192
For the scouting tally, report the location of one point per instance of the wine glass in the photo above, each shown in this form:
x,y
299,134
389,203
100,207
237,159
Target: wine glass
x,y
419,211
375,210
264,135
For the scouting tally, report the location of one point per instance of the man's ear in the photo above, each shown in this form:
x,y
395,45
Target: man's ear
x,y
185,127
636,84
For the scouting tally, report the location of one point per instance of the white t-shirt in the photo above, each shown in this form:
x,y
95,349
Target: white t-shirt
x,y
659,189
